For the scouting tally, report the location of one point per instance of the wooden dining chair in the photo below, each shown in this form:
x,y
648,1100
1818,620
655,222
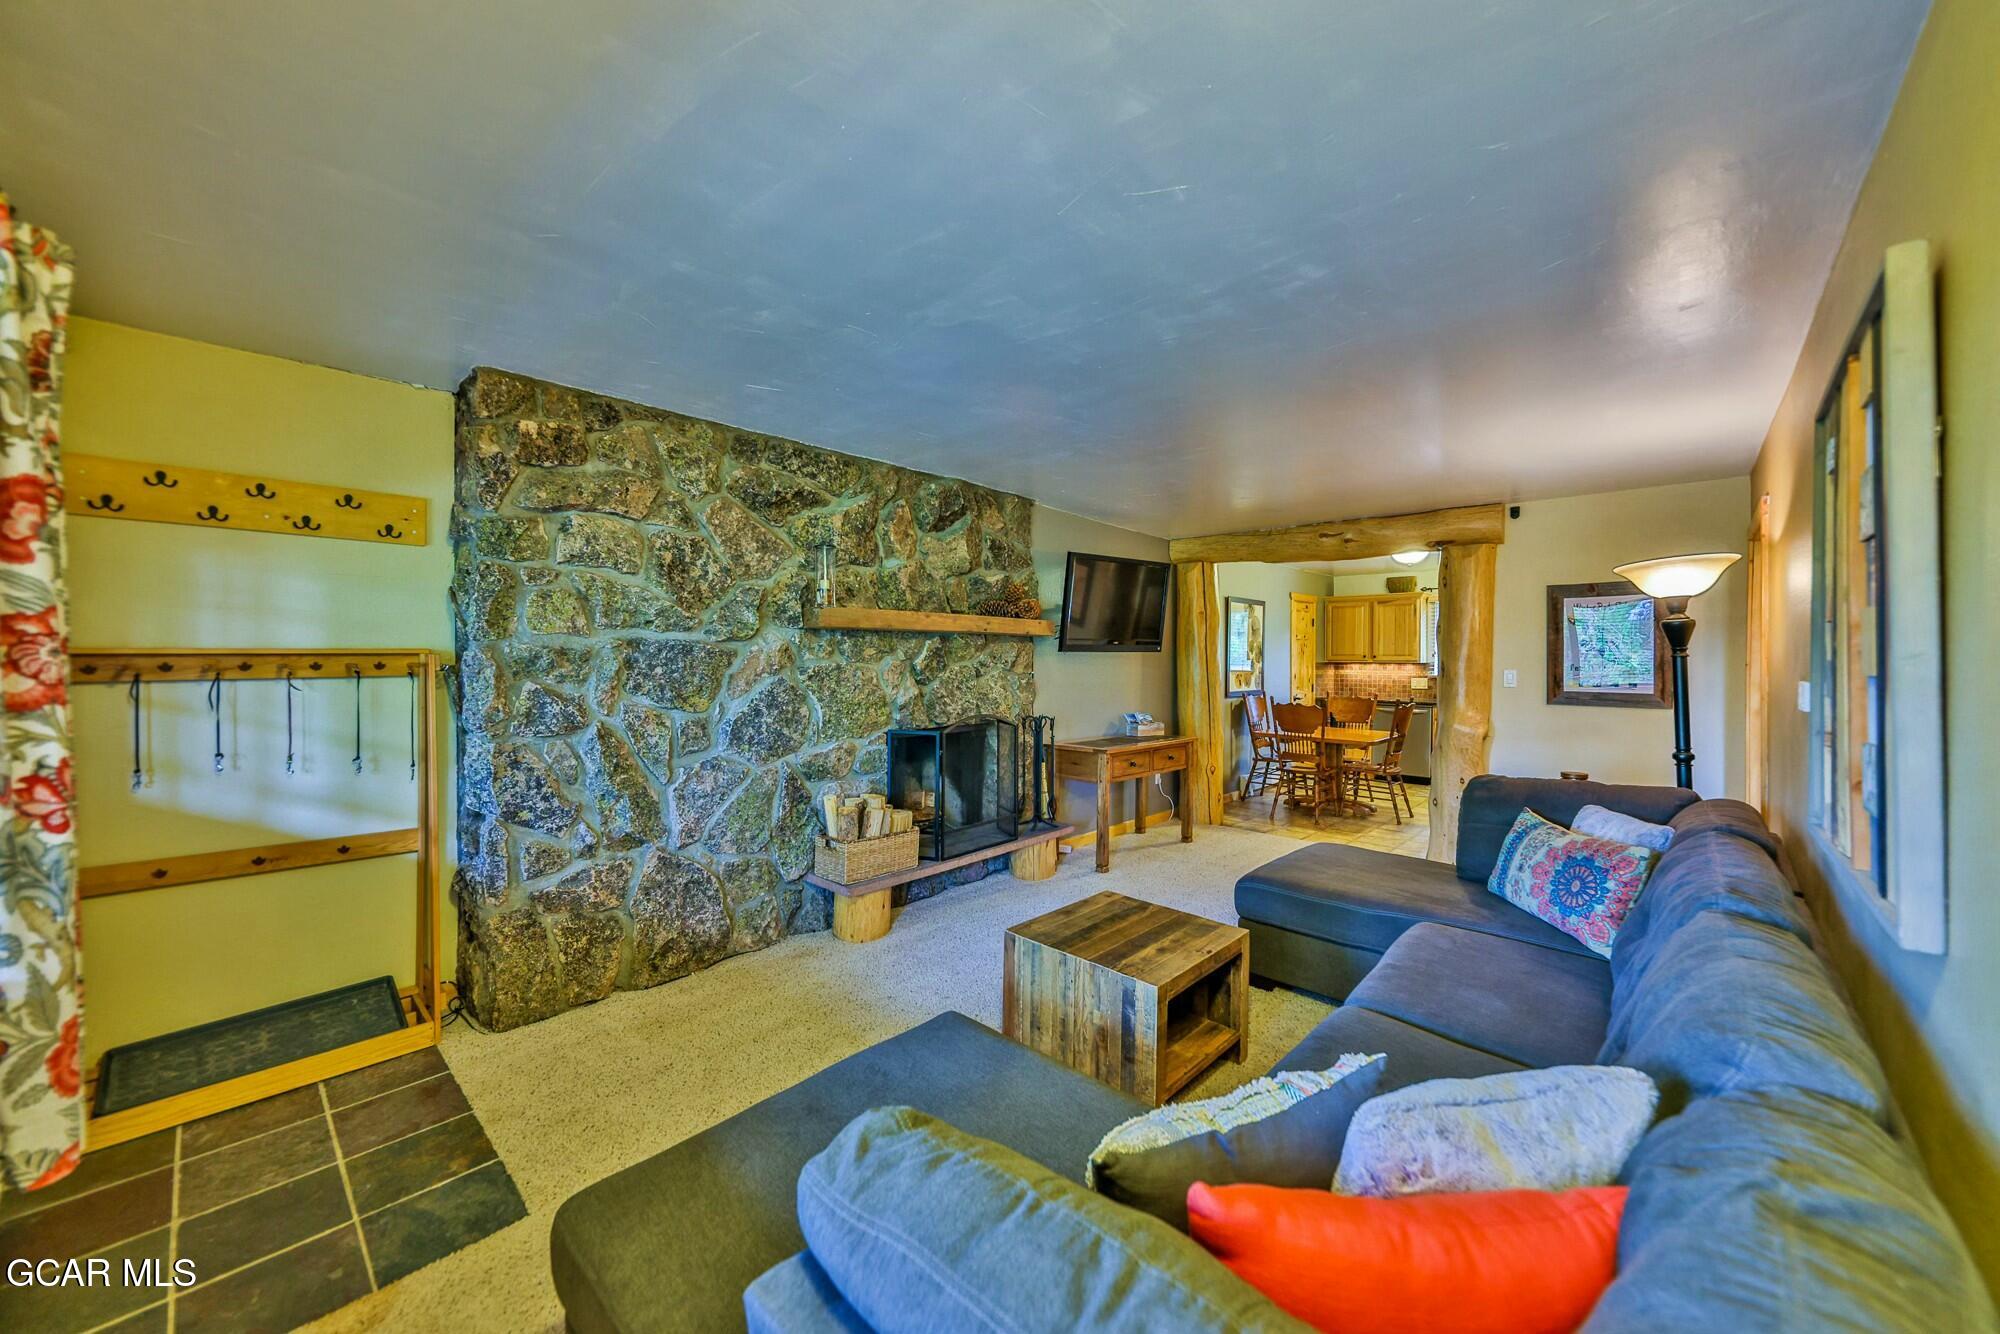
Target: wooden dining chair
x,y
1343,711
1263,753
1304,776
1386,774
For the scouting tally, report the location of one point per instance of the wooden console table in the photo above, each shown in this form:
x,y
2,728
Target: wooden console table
x,y
1106,760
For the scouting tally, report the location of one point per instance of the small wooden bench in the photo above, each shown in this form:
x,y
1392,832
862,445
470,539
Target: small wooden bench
x,y
861,911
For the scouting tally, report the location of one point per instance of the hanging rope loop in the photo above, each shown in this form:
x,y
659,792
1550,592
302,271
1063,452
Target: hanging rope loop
x,y
412,674
138,767
291,750
215,709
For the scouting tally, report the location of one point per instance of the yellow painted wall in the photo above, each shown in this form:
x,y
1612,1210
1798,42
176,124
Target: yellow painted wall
x,y
1931,1017
161,960
1576,540
1088,694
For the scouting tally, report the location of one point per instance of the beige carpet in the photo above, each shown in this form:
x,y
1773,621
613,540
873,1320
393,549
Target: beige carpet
x,y
573,1099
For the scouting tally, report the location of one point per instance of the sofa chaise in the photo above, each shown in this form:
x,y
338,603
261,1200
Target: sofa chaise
x,y
1774,1192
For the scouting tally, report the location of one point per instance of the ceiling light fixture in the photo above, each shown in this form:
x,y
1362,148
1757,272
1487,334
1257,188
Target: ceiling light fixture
x,y
1417,557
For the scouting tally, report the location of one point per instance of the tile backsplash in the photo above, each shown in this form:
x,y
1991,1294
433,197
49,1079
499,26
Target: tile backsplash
x,y
1368,680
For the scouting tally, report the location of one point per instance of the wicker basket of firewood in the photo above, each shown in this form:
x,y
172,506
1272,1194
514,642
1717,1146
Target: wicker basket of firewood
x,y
864,859
865,837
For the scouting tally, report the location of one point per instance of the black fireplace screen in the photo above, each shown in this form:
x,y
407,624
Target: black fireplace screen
x,y
962,781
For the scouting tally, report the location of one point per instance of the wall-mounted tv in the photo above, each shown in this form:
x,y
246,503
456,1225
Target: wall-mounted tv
x,y
1113,604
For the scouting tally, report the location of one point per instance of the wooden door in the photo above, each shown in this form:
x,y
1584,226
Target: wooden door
x,y
1305,647
1398,628
1350,629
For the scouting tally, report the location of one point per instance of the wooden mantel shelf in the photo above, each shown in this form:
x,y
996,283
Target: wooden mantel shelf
x,y
923,622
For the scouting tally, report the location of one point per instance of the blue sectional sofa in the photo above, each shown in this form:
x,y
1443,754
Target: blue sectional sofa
x,y
1773,1193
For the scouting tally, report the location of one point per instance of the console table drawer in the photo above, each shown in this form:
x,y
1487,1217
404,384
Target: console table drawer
x,y
1169,758
1137,763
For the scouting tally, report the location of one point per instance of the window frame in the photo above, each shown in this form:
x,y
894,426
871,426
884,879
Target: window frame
x,y
1905,881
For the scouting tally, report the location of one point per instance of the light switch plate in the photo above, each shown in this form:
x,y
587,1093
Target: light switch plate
x,y
1805,697
1510,678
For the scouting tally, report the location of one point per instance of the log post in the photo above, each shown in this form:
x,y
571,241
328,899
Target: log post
x,y
1198,686
1465,706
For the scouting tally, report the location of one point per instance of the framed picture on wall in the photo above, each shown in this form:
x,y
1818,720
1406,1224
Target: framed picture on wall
x,y
1243,646
1605,647
1878,764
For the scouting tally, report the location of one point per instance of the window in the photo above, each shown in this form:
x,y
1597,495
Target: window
x,y
1848,663
1605,647
1877,764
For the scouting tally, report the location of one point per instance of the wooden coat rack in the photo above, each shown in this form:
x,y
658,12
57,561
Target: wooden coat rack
x,y
107,488
423,1002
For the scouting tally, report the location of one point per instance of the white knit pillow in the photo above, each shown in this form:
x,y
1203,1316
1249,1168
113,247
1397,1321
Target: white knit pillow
x,y
1554,1129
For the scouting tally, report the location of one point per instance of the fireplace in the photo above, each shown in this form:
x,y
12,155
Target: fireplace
x,y
963,782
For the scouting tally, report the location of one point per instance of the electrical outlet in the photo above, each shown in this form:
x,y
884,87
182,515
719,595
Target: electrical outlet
x,y
1805,697
1510,678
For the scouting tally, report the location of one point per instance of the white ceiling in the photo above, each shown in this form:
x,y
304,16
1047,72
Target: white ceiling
x,y
1188,267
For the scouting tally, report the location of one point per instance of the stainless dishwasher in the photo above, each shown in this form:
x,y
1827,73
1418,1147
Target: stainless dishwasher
x,y
1423,735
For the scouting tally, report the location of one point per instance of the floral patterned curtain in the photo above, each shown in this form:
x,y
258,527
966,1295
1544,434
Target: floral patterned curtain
x,y
41,990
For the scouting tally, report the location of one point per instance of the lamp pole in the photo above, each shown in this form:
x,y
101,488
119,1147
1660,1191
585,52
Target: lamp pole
x,y
1678,627
1672,580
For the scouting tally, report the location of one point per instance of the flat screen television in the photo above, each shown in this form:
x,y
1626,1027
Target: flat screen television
x,y
1113,604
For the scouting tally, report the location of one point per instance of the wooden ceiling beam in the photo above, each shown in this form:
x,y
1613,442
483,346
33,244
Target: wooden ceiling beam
x,y
1351,539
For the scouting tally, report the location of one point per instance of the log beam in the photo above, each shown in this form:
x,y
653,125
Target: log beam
x,y
1349,539
1466,581
1198,687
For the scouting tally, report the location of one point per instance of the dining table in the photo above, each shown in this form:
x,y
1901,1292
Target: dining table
x,y
1344,737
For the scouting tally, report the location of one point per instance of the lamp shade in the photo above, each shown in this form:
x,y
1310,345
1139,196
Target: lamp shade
x,y
1417,557
1678,576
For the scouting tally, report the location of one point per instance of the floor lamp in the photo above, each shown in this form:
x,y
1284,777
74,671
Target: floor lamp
x,y
1673,580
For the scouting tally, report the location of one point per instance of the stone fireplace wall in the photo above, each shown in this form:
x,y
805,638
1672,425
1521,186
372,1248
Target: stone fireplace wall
x,y
644,725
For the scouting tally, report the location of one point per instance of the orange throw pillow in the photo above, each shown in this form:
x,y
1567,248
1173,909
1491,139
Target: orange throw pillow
x,y
1505,1261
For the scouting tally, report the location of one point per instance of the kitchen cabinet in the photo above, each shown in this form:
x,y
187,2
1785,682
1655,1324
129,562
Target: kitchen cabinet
x,y
1398,627
1377,628
1350,629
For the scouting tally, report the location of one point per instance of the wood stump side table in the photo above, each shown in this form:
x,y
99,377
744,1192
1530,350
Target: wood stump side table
x,y
1139,996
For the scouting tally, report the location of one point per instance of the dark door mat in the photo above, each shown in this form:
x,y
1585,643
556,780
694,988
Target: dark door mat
x,y
142,1072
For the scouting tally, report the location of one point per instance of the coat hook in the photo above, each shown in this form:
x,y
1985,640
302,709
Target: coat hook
x,y
387,530
260,492
313,665
304,523
348,502
104,502
211,515
160,478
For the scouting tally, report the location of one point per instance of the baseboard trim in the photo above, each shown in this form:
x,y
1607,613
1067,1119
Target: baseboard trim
x,y
1088,838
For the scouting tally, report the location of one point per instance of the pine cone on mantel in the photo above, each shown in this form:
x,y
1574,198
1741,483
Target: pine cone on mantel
x,y
1013,600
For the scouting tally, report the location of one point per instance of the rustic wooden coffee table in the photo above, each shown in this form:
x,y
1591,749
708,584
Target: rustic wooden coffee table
x,y
1139,996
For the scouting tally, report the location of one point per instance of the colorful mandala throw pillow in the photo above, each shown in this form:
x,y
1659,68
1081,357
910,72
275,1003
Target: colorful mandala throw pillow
x,y
1582,886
